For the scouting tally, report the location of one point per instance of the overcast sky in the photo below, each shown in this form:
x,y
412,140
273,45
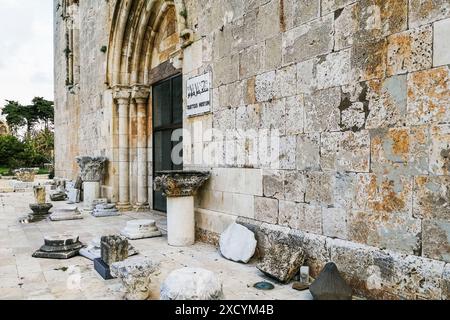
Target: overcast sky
x,y
26,50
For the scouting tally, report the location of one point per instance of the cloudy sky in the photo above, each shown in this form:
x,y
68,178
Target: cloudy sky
x,y
26,50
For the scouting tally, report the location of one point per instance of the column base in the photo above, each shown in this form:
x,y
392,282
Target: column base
x,y
141,207
124,207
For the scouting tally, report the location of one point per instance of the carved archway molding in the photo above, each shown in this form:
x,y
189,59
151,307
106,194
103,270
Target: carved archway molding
x,y
135,24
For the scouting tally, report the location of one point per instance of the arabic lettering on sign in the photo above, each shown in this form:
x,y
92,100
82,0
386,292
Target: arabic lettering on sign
x,y
199,95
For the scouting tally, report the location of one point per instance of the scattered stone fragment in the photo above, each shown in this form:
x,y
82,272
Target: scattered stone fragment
x,y
113,249
238,243
59,247
59,195
92,251
192,284
330,285
134,274
281,262
73,196
141,229
105,210
300,286
70,213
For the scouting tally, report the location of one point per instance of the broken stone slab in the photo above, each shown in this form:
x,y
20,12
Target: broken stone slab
x,y
281,262
58,195
113,248
141,229
135,273
64,214
237,243
59,247
93,251
330,285
192,284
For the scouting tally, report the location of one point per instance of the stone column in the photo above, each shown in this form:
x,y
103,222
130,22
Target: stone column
x,y
140,95
92,170
122,97
180,187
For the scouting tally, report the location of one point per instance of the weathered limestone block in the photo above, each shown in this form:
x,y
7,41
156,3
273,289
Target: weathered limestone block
x,y
432,197
285,82
310,218
446,283
319,188
345,151
69,213
92,168
93,250
308,40
135,275
273,184
294,185
266,209
288,215
435,239
192,284
105,210
141,229
368,60
423,12
264,86
40,194
307,156
25,174
114,249
440,150
295,109
394,231
333,5
334,222
251,60
268,23
386,102
307,76
426,91
298,12
281,261
58,195
322,111
334,70
410,51
330,285
346,24
237,243
273,115
441,45
248,117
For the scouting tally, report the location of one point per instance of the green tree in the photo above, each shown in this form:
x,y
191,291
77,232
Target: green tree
x,y
45,110
11,151
14,115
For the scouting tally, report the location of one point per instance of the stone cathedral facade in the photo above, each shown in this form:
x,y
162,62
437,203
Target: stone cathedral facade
x,y
357,91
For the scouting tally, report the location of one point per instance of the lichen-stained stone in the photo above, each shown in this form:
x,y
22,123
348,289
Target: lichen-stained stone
x,y
400,150
431,198
266,210
436,239
334,70
353,117
225,119
307,76
346,24
273,115
289,214
295,114
333,5
286,156
248,117
345,151
268,20
298,12
440,150
310,218
294,185
429,96
285,82
322,110
368,59
441,45
343,189
273,184
319,188
308,40
264,86
334,222
308,152
387,102
425,11
250,61
248,90
446,283
395,231
226,70
410,51
383,193
272,54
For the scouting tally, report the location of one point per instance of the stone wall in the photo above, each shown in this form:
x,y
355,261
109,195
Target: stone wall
x,y
359,91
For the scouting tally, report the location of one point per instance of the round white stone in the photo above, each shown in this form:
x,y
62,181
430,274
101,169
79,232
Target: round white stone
x,y
192,284
238,243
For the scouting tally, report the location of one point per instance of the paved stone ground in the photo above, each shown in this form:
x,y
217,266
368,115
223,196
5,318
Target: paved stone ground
x,y
24,277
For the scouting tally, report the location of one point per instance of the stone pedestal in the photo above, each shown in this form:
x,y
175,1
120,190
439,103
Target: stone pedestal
x,y
91,193
105,210
180,187
92,170
40,207
141,229
112,249
59,247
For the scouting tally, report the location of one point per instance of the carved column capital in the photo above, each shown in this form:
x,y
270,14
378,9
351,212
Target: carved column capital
x,y
140,93
122,94
92,168
180,183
